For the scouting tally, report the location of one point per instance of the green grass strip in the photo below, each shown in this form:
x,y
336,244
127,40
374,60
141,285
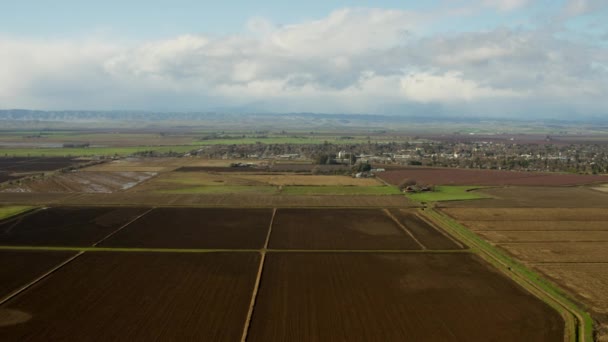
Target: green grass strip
x,y
583,330
6,212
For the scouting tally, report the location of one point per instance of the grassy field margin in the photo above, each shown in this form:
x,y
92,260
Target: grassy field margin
x,y
579,324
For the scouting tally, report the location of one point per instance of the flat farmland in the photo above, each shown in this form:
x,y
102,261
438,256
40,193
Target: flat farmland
x,y
338,229
545,236
394,297
139,296
558,251
536,197
104,182
569,245
311,180
450,176
428,235
532,226
21,267
550,215
65,226
215,228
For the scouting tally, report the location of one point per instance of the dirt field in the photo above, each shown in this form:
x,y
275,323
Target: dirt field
x,y
70,226
546,236
528,214
291,179
206,200
536,197
537,225
569,245
21,267
430,237
338,229
380,297
139,296
450,176
559,251
35,164
104,182
588,282
196,228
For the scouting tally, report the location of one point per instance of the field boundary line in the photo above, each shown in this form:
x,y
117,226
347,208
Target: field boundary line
x,y
579,325
407,231
121,228
258,279
38,279
441,231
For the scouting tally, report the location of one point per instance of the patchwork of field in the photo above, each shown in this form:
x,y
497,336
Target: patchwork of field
x,y
139,296
389,297
451,176
239,200
140,165
13,168
235,274
207,228
80,181
67,226
568,245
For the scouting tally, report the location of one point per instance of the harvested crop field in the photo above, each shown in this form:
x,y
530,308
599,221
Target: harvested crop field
x,y
545,236
551,226
104,182
140,165
66,226
311,180
338,229
559,251
536,197
21,267
139,296
395,297
428,235
35,164
528,214
450,176
214,228
570,245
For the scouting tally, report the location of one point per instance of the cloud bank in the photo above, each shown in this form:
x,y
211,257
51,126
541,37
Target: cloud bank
x,y
352,61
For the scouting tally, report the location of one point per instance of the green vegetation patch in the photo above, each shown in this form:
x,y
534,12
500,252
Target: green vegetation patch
x,y
6,212
340,190
223,189
448,193
90,151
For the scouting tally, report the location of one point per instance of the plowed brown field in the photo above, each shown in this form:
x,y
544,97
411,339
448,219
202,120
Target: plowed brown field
x,y
139,296
338,229
213,228
396,297
69,226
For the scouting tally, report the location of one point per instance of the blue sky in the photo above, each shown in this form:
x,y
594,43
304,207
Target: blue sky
x,y
459,57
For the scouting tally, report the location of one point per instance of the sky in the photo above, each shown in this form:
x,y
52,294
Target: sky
x,y
486,58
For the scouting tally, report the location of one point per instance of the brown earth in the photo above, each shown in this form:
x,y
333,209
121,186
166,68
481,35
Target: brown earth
x,y
65,226
21,267
205,200
572,215
215,228
428,235
451,176
329,229
139,296
104,182
558,251
545,236
532,226
395,297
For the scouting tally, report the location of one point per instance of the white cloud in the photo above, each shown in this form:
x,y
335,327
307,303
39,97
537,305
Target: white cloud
x,y
506,5
354,60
